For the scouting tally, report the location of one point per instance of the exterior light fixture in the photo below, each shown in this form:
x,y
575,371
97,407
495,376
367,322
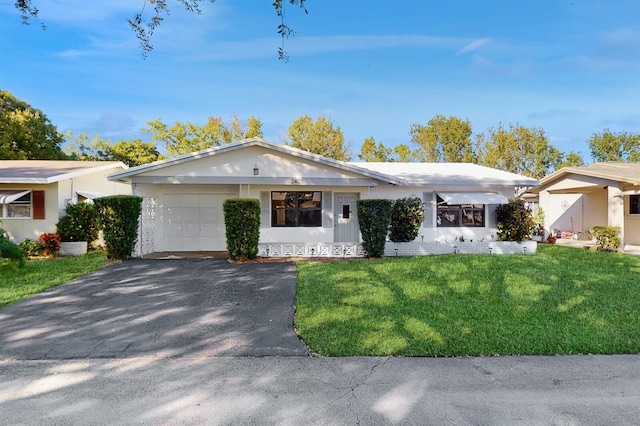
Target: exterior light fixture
x,y
256,170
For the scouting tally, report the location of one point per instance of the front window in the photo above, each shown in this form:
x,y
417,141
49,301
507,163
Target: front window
x,y
296,208
457,215
18,208
634,204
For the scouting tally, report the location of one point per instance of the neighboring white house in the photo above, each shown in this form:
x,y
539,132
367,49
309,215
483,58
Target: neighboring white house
x,y
34,193
305,197
576,198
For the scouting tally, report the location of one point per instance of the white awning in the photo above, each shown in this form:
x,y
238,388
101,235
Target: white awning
x,y
472,198
89,195
631,192
7,197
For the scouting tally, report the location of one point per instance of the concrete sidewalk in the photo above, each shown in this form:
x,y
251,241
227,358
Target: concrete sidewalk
x,y
555,390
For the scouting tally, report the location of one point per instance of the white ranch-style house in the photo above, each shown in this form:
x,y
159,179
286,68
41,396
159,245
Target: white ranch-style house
x,y
308,201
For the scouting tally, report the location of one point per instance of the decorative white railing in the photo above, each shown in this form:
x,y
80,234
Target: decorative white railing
x,y
395,249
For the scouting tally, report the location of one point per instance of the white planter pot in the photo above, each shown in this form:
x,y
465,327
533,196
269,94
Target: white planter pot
x,y
73,248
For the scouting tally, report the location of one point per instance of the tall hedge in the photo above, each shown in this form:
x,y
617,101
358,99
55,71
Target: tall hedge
x,y
80,223
407,215
119,216
242,227
374,217
515,222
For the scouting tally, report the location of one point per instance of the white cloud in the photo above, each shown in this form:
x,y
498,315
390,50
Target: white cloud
x,y
474,45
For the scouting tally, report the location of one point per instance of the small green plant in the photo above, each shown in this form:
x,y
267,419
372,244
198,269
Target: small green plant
x,y
80,223
407,215
10,251
242,227
31,247
538,223
514,221
607,237
374,216
51,243
119,215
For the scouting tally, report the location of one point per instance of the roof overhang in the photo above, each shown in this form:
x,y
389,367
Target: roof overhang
x,y
472,198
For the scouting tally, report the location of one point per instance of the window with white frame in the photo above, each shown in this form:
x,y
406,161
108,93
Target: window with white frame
x,y
460,215
296,208
15,204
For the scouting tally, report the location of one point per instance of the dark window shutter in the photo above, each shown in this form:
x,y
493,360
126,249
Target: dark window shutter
x,y
37,201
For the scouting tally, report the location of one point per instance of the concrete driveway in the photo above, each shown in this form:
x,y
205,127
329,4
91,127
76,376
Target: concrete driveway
x,y
159,308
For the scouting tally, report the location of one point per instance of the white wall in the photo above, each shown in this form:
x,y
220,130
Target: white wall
x,y
21,228
56,195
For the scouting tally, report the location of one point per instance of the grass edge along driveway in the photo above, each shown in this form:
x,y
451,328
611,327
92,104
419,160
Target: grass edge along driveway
x,y
39,275
560,301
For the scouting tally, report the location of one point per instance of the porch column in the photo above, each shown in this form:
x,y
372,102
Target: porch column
x,y
615,216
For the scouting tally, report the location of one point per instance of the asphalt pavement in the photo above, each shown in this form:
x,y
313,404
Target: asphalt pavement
x,y
203,341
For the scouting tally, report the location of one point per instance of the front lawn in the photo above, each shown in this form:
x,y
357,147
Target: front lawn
x,y
560,301
41,274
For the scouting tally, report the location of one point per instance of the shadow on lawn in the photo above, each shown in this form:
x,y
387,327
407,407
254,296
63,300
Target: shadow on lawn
x,y
562,300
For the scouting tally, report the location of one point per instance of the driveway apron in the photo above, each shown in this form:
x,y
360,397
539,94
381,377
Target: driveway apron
x,y
159,308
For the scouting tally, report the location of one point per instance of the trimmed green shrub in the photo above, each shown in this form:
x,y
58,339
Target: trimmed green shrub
x,y
51,243
10,251
79,224
514,221
242,227
118,216
607,237
407,215
374,217
31,247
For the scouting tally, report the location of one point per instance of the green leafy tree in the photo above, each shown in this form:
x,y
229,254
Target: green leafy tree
x,y
518,149
82,147
571,159
145,22
184,138
444,139
26,133
374,153
404,154
132,153
609,146
318,137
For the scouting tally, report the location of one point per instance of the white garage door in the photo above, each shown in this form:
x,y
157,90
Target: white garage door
x,y
194,222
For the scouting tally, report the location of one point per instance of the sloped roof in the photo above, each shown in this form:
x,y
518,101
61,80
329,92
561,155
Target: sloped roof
x,y
50,171
402,174
446,173
256,141
616,171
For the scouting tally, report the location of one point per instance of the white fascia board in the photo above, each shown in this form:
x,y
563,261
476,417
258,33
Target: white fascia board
x,y
83,172
251,180
30,181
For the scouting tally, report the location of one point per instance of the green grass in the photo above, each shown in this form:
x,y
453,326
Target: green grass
x,y
41,274
560,301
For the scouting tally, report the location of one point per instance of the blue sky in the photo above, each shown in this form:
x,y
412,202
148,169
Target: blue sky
x,y
374,67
